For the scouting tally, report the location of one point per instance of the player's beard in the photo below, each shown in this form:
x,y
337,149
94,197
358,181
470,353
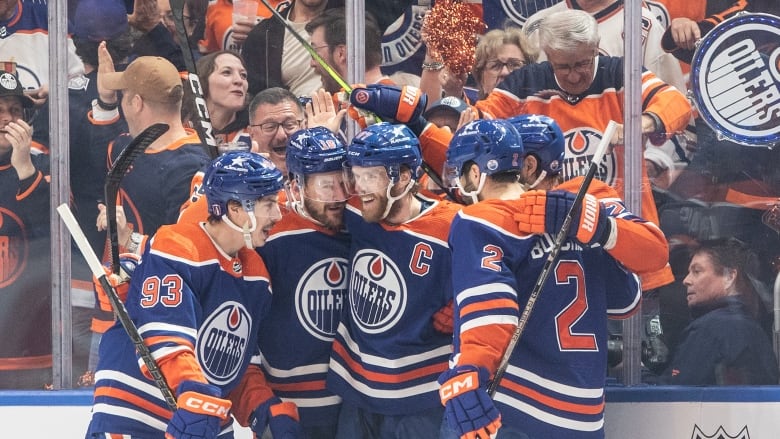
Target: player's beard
x,y
325,213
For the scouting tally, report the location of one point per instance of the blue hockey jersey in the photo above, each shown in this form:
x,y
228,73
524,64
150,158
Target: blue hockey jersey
x,y
185,296
554,384
309,271
387,355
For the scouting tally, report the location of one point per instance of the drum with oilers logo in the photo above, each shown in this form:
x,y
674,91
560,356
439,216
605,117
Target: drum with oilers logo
x,y
735,79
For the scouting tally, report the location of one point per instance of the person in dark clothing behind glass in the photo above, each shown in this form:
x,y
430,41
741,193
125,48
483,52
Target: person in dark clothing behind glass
x,y
725,343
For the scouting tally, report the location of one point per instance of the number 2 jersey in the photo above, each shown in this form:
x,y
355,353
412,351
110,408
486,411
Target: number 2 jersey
x,y
387,355
185,296
554,385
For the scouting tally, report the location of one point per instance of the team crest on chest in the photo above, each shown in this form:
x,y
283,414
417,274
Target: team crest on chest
x,y
377,292
222,342
320,296
580,146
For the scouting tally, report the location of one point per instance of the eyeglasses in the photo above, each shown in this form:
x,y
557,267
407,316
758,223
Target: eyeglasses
x,y
579,67
511,64
168,18
316,48
289,126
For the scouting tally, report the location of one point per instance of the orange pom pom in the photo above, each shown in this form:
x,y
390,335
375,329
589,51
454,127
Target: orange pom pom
x,y
450,31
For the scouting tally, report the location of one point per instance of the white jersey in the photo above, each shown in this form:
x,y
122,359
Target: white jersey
x,y
24,39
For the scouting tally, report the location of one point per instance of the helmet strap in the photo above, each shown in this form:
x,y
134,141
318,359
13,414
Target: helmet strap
x,y
538,179
391,199
246,230
473,195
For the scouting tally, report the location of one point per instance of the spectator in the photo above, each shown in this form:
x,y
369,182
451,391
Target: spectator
x,y
25,277
274,114
193,17
328,33
275,58
310,287
724,344
498,53
223,77
159,181
492,286
26,41
446,112
198,286
387,352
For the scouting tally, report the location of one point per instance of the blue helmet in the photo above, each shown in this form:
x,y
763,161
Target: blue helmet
x,y
315,150
388,145
494,145
543,138
241,176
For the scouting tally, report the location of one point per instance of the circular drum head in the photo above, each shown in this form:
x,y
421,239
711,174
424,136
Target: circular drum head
x,y
735,79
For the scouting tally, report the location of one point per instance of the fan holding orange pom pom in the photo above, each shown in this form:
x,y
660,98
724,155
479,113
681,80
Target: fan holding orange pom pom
x,y
450,30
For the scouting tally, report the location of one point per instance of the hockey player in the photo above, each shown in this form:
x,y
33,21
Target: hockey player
x,y
387,353
310,284
554,384
197,299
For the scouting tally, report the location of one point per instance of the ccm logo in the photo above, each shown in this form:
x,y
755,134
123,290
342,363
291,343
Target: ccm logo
x,y
458,385
198,404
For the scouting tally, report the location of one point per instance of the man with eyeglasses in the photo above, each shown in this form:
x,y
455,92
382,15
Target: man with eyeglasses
x,y
274,114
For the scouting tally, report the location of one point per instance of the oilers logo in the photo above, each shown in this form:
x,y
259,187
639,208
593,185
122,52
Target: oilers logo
x,y
222,342
377,292
735,79
13,247
403,38
580,146
320,296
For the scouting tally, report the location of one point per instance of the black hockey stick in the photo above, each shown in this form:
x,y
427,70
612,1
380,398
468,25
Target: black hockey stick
x,y
116,303
118,170
601,149
203,124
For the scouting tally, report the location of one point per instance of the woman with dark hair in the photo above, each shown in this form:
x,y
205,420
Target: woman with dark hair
x,y
223,78
724,344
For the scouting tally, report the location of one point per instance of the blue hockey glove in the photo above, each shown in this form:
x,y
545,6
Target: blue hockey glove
x,y
280,417
392,103
545,212
467,405
200,412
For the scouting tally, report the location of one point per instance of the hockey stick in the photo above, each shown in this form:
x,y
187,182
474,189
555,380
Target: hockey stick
x,y
116,303
601,149
203,124
118,170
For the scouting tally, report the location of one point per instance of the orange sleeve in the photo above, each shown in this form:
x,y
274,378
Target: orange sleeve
x,y
177,368
641,247
485,346
666,102
252,391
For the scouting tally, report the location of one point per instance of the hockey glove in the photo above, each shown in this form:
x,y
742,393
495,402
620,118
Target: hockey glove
x,y
467,405
392,103
442,319
200,412
121,282
280,417
545,212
